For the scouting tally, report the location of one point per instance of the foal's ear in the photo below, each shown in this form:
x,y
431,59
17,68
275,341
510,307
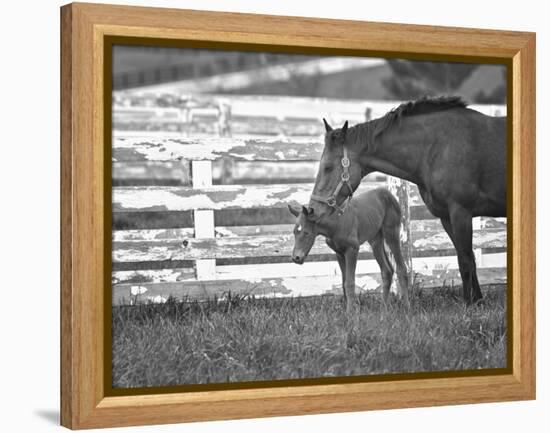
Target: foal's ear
x,y
294,210
307,211
345,129
328,128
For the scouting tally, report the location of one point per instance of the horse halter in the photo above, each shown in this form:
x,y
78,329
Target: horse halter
x,y
344,180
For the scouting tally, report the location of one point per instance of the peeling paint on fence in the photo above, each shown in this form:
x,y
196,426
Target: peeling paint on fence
x,y
156,276
274,245
136,199
152,235
137,290
423,266
157,299
424,226
484,238
290,287
367,283
170,149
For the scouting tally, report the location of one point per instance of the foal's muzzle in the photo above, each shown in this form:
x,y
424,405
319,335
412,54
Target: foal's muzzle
x,y
299,260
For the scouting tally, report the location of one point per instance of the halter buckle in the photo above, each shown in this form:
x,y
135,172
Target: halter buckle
x,y
331,201
345,162
345,176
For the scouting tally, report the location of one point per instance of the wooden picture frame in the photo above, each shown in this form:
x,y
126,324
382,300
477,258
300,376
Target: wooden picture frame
x,y
85,235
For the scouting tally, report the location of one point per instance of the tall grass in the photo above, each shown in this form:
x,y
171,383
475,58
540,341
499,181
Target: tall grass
x,y
245,339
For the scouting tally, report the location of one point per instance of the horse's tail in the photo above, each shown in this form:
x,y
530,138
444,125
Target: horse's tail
x,y
392,220
391,203
385,247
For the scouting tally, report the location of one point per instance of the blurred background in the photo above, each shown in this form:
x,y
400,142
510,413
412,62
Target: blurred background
x,y
264,73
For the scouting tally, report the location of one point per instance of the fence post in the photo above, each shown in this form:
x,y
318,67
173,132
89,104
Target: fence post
x,y
400,189
224,118
185,122
477,224
224,130
205,269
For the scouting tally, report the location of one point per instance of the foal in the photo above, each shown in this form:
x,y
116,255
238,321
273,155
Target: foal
x,y
373,217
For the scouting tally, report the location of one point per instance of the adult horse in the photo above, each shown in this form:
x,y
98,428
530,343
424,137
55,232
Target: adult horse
x,y
456,156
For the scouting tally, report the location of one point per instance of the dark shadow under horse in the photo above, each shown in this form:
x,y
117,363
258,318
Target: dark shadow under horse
x,y
456,156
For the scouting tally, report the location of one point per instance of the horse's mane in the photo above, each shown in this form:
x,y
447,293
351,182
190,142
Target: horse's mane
x,y
424,105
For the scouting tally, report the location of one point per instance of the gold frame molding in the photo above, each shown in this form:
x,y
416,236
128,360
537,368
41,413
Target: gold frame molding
x,y
85,217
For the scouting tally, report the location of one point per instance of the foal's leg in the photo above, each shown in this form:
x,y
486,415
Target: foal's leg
x,y
391,235
386,269
342,263
350,256
461,223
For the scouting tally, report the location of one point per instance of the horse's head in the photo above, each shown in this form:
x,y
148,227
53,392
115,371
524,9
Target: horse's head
x,y
305,232
339,172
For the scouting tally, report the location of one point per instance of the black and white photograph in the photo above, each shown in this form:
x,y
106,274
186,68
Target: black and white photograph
x,y
281,216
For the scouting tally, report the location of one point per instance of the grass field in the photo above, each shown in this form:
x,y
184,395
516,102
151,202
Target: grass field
x,y
246,339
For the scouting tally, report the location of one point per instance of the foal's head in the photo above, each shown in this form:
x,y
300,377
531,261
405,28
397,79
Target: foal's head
x,y
305,232
339,172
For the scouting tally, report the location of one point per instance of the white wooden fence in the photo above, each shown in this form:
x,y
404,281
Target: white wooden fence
x,y
224,226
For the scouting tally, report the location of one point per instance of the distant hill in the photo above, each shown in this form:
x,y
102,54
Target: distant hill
x,y
367,83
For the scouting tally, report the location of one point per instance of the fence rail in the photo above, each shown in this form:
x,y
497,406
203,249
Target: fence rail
x,y
248,115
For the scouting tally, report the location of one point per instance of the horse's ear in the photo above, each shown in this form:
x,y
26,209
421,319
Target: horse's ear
x,y
305,211
328,128
345,129
294,211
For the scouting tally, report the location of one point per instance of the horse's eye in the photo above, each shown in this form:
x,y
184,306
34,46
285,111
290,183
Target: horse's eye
x,y
329,168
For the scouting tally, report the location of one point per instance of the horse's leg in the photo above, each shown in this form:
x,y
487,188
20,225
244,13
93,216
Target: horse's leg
x,y
391,235
386,269
446,223
350,256
461,226
449,229
475,283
